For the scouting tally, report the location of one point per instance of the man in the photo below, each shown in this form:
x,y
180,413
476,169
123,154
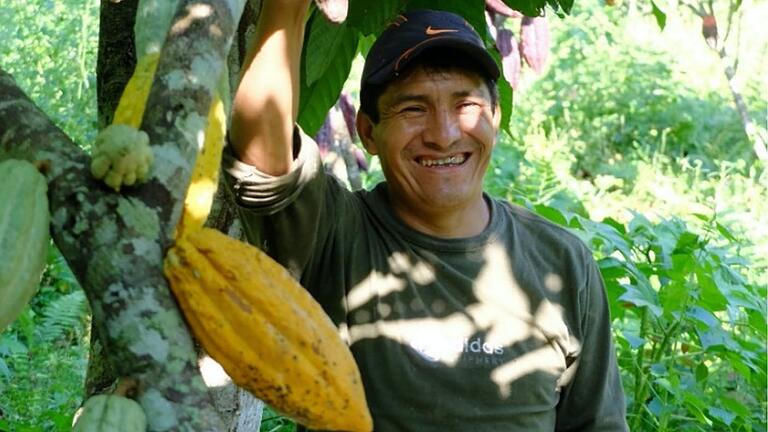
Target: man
x,y
463,312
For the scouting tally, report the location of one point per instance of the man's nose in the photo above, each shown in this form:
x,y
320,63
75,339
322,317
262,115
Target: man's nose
x,y
442,129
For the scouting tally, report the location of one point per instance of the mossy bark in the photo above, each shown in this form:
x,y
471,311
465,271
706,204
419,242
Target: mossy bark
x,y
115,243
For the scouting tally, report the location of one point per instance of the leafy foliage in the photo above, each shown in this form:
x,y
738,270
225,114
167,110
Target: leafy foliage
x,y
619,120
330,49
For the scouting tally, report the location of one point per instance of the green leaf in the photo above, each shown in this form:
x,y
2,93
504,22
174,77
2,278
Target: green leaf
x,y
472,11
612,237
319,97
710,295
635,341
702,372
551,214
687,242
735,406
696,406
725,232
611,268
642,295
618,226
674,297
661,17
506,101
682,266
371,18
323,41
724,416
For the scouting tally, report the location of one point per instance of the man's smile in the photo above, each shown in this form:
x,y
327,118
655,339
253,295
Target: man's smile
x,y
448,161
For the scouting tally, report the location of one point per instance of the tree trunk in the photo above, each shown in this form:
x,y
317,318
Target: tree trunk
x,y
115,243
239,410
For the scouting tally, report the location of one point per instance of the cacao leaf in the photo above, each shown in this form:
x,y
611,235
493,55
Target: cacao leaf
x,y
510,56
370,18
319,96
473,12
334,10
505,96
534,42
322,41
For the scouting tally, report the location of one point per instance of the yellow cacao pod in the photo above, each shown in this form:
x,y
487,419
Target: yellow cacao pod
x,y
267,332
24,235
111,413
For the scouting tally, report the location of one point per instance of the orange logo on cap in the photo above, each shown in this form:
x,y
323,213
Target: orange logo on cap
x,y
431,32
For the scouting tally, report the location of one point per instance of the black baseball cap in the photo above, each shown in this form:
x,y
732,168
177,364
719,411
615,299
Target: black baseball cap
x,y
415,31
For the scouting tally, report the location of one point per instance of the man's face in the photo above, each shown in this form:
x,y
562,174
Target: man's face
x,y
434,138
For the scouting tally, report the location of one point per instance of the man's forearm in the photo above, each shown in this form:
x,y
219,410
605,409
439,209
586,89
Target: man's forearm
x,y
266,103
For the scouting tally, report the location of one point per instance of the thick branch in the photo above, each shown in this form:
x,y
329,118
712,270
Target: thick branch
x,y
111,243
115,243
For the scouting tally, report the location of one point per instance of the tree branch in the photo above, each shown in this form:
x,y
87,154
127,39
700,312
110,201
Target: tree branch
x,y
115,243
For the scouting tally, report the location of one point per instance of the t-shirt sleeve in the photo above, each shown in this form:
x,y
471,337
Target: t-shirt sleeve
x,y
593,399
280,214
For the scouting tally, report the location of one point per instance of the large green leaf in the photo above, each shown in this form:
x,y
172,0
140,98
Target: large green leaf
x,y
472,11
319,96
370,18
322,43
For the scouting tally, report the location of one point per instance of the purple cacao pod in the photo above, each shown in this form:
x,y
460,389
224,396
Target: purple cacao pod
x,y
362,162
534,42
349,112
324,136
510,56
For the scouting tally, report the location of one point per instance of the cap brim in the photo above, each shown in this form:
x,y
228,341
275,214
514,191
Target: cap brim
x,y
392,69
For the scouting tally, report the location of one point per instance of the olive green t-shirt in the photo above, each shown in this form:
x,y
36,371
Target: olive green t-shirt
x,y
504,331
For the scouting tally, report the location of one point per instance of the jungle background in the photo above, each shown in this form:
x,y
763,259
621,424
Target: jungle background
x,y
629,136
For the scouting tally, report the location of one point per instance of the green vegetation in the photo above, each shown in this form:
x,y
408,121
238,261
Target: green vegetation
x,y
630,138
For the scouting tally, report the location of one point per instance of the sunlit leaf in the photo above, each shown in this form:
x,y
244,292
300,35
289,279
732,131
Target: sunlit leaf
x,y
661,17
642,297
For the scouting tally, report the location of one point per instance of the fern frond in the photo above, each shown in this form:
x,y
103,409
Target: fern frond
x,y
64,316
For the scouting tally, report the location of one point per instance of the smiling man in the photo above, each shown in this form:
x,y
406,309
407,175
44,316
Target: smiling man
x,y
463,312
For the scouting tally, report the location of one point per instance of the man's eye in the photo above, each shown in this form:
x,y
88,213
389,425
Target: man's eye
x,y
412,109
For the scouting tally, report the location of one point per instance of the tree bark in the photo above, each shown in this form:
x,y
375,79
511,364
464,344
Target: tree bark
x,y
115,243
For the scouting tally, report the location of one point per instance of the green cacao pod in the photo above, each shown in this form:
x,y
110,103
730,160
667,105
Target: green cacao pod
x,y
24,235
111,413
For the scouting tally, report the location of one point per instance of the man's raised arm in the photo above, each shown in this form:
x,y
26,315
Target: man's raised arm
x,y
266,103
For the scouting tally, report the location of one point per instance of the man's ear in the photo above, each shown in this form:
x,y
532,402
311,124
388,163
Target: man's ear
x,y
364,126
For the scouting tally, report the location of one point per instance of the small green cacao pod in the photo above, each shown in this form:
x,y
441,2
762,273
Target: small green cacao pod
x,y
111,413
24,235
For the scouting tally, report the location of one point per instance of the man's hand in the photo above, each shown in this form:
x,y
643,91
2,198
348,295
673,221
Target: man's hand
x,y
334,10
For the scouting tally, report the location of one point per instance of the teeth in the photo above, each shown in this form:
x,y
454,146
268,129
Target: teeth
x,y
453,160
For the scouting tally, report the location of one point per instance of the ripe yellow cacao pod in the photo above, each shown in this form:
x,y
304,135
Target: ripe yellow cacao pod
x,y
266,331
111,413
24,235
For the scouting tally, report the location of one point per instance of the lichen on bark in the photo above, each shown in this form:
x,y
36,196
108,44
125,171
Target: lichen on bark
x,y
114,242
